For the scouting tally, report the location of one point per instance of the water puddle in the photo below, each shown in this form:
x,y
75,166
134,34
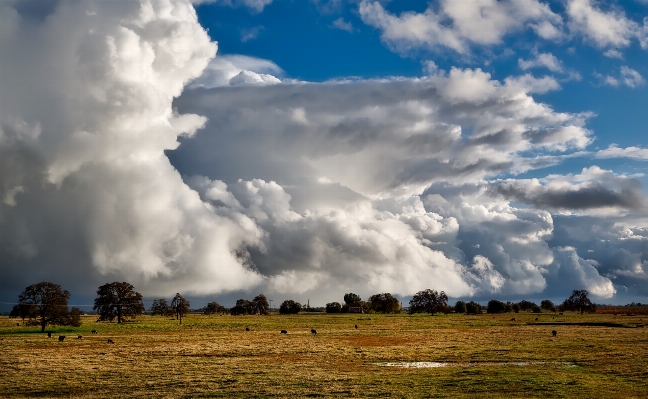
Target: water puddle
x,y
423,365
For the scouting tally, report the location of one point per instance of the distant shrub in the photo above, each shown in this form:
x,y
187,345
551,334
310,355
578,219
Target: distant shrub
x,y
75,317
333,307
473,307
495,306
290,307
548,305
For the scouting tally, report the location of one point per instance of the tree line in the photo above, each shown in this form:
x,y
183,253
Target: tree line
x,y
432,301
47,304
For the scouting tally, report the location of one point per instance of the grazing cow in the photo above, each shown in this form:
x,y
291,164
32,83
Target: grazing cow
x,y
110,341
284,332
247,329
61,338
17,324
49,335
554,333
94,331
313,331
536,319
561,313
513,319
356,326
79,336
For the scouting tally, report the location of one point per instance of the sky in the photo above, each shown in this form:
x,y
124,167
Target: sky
x,y
307,149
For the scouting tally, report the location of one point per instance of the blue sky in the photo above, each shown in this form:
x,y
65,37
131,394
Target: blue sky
x,y
302,38
307,149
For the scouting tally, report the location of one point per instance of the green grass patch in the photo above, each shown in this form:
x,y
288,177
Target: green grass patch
x,y
213,356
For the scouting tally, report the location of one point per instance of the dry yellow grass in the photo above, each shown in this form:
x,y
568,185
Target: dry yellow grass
x,y
213,356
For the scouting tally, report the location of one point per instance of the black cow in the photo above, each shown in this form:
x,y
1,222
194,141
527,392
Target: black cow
x,y
513,319
247,329
554,333
61,338
356,326
110,341
49,335
313,331
284,332
94,331
79,336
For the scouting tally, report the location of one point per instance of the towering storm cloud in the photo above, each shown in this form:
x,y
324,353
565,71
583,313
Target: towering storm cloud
x,y
130,150
86,115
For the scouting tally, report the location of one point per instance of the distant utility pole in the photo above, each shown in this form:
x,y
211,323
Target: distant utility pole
x,y
270,304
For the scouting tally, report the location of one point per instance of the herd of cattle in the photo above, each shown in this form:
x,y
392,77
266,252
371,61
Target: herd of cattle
x,y
61,338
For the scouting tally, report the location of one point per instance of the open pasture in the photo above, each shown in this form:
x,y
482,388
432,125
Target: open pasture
x,y
214,356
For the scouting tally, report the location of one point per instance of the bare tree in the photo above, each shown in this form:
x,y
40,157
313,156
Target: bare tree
x,y
118,300
180,306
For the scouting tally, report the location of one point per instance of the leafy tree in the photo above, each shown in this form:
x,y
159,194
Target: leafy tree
x,y
21,310
429,301
290,307
527,305
536,309
261,305
473,307
385,303
333,307
242,307
180,306
579,301
160,307
352,299
75,317
212,308
45,302
495,306
460,307
118,300
548,305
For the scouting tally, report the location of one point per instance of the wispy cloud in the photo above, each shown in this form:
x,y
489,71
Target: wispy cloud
x,y
340,23
546,60
627,76
252,33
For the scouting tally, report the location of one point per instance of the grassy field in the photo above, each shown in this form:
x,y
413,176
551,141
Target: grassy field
x,y
602,356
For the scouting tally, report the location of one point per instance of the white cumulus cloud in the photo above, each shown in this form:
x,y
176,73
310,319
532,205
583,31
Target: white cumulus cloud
x,y
457,25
